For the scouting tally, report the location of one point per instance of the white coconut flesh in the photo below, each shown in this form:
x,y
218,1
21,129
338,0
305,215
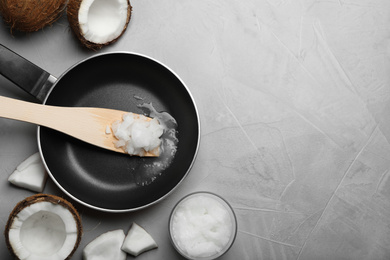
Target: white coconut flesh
x,y
106,246
102,21
138,240
43,231
30,174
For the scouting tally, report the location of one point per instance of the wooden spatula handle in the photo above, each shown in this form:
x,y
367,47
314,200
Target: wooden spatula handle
x,y
69,120
24,111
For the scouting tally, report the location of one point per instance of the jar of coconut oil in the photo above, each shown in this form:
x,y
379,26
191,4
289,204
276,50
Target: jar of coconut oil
x,y
202,226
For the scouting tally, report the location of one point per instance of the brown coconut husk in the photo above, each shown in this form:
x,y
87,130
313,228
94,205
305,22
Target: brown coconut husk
x,y
31,15
72,12
41,198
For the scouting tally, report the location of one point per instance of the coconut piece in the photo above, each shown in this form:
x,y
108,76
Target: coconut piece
x,y
138,241
108,130
106,246
30,174
97,23
31,15
44,227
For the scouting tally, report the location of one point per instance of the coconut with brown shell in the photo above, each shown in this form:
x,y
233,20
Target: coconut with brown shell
x,y
44,227
98,23
31,15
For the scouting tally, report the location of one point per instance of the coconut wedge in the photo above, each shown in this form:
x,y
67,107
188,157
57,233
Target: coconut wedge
x,y
98,23
138,241
106,246
30,174
44,227
31,15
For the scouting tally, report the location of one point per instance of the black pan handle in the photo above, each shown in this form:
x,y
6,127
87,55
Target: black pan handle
x,y
25,74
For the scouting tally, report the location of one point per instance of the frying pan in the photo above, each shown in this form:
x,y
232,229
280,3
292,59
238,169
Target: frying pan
x,y
92,176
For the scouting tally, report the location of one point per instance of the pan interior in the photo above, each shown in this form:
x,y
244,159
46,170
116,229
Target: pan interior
x,y
108,180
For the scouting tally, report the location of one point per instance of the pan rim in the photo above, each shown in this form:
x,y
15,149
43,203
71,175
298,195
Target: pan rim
x,y
155,201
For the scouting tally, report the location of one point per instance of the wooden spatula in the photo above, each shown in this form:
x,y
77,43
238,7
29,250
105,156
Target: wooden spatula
x,y
85,123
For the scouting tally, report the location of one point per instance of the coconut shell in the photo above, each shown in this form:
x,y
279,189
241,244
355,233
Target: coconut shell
x,y
41,198
31,15
72,12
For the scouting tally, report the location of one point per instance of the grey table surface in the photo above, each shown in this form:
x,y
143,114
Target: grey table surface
x,y
294,102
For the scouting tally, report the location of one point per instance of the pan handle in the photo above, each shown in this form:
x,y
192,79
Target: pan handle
x,y
25,74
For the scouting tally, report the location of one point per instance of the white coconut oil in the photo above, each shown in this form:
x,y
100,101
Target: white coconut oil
x,y
202,226
153,167
150,168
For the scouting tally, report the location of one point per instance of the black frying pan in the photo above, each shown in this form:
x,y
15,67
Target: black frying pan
x,y
95,177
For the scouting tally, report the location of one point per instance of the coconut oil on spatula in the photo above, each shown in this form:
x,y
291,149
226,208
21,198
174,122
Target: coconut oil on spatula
x,y
88,124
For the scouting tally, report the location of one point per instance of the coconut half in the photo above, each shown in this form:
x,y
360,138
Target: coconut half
x,y
97,23
31,15
44,227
